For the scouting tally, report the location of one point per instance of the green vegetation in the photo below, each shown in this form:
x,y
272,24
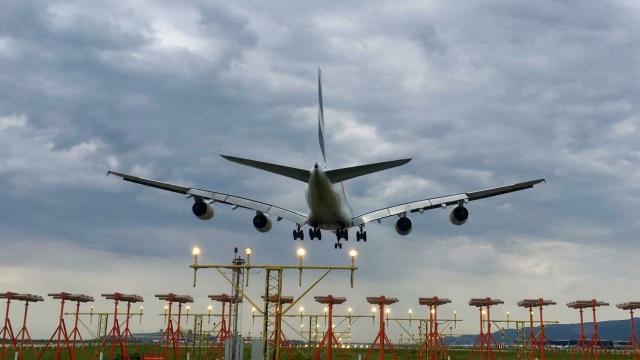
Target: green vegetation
x,y
136,352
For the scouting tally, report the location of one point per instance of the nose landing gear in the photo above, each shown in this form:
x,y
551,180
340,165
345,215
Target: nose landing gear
x,y
341,234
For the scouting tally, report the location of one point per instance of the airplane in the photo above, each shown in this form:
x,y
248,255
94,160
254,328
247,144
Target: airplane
x,y
326,197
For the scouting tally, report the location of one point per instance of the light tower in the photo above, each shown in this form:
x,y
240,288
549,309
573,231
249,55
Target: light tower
x,y
533,342
329,339
172,335
634,344
485,343
63,339
117,337
434,346
23,335
381,339
277,339
592,346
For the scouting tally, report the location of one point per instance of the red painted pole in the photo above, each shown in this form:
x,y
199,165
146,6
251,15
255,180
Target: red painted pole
x,y
383,335
7,329
541,337
169,332
330,334
24,330
595,339
488,335
126,323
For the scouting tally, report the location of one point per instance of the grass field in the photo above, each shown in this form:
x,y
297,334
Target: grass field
x,y
137,352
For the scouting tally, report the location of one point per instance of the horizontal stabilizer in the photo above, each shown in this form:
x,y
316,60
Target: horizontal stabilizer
x,y
294,173
339,175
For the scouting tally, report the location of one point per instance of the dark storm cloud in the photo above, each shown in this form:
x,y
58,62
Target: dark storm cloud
x,y
479,94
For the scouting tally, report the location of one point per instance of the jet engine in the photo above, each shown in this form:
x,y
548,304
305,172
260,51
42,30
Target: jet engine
x,y
202,210
261,222
459,215
403,226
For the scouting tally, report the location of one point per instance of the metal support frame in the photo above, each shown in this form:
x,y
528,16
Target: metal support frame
x,y
329,338
7,329
61,335
381,338
273,336
200,344
634,344
485,343
115,337
588,347
224,330
23,337
172,335
237,280
434,346
536,344
272,287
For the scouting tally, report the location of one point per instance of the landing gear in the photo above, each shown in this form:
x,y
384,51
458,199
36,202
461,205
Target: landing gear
x,y
298,234
341,234
315,234
361,234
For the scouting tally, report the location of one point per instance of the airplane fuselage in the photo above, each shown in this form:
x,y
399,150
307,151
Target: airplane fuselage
x,y
328,203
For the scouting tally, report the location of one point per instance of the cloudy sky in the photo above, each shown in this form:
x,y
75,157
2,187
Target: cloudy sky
x,y
480,94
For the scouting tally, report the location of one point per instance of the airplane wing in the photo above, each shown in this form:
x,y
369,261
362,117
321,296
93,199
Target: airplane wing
x,y
437,202
236,201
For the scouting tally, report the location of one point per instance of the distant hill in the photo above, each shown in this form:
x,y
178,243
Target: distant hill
x,y
613,330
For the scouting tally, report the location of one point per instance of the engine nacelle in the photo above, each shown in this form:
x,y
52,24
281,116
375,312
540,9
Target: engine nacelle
x,y
403,226
261,222
202,210
459,215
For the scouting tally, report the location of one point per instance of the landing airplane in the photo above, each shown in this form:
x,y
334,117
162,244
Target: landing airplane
x,y
327,199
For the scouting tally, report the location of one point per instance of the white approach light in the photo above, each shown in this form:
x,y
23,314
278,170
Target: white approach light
x,y
195,251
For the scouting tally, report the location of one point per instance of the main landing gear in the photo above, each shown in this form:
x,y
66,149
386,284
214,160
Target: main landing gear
x,y
315,233
341,234
298,233
361,234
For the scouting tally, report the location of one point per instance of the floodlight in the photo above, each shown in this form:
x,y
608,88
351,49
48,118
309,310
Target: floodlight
x,y
196,251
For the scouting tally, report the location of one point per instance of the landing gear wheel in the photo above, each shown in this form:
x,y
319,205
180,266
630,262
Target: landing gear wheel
x,y
335,246
361,235
339,246
298,234
315,233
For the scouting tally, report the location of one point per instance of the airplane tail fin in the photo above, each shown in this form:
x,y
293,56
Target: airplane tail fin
x,y
339,175
290,172
321,117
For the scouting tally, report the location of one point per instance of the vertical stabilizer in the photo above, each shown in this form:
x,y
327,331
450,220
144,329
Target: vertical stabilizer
x,y
321,117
